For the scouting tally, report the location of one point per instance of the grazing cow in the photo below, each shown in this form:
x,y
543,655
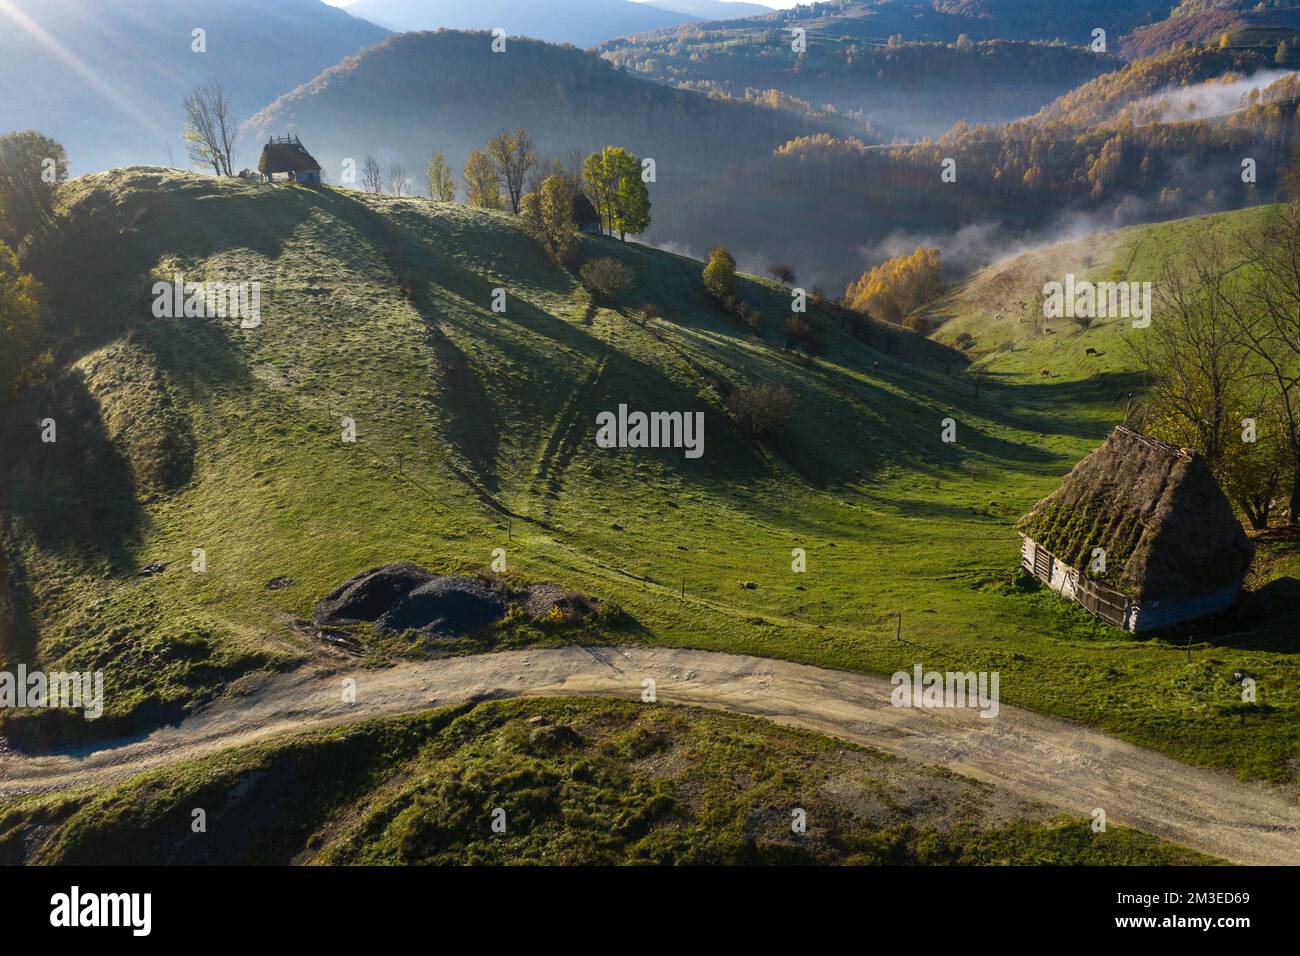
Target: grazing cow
x,y
1091,352
1046,373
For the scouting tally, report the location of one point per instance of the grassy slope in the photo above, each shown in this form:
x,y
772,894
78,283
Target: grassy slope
x,y
486,407
580,781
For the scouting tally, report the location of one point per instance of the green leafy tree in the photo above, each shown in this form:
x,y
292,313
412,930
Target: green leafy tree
x,y
601,182
31,167
22,325
557,197
720,273
441,184
530,213
482,187
613,182
632,203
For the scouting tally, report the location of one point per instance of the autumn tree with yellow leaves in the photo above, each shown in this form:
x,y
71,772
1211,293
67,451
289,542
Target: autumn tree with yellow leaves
x,y
894,288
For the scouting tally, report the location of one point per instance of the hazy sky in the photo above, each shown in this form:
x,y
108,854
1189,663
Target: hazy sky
x,y
774,4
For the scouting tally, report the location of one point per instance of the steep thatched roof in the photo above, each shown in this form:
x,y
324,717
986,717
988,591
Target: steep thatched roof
x,y
285,156
584,213
1168,529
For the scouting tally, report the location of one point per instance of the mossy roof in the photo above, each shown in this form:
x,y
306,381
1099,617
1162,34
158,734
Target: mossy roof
x,y
1168,530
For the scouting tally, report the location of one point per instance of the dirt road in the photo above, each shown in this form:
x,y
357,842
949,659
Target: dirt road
x,y
1037,758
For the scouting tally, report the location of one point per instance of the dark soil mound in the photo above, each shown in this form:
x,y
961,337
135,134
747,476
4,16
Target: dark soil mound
x,y
449,606
542,599
368,595
404,597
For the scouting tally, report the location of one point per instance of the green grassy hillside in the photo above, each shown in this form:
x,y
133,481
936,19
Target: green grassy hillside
x,y
580,782
191,433
996,306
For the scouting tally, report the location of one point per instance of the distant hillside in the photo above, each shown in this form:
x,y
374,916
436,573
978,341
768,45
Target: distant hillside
x,y
994,307
420,92
1244,22
712,9
106,79
1178,70
1160,139
580,22
910,90
875,21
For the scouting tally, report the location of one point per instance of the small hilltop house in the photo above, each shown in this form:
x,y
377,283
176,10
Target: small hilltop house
x,y
1140,534
585,216
286,155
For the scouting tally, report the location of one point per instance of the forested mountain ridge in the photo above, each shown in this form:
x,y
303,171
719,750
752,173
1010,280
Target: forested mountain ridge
x,y
908,89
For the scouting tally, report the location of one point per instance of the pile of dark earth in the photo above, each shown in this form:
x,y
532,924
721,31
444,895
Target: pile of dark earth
x,y
403,597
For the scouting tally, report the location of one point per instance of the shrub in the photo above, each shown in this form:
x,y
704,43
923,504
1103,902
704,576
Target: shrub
x,y
802,333
761,408
964,341
796,330
647,314
782,272
918,324
607,277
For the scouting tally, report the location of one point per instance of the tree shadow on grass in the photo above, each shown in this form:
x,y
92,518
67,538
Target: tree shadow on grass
x,y
1264,619
74,497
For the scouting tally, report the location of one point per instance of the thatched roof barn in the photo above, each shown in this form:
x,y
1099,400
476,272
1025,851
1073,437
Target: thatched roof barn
x,y
1173,548
585,216
285,154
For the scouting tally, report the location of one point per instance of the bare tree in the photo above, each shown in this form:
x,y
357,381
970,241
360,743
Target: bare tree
x,y
397,179
512,156
1265,313
1199,369
372,177
210,127
761,408
572,163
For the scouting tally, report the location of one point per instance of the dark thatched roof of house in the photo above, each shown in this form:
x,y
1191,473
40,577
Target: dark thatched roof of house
x,y
1167,527
584,213
285,156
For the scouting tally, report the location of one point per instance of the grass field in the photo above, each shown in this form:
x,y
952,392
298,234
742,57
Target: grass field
x,y
570,781
190,433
